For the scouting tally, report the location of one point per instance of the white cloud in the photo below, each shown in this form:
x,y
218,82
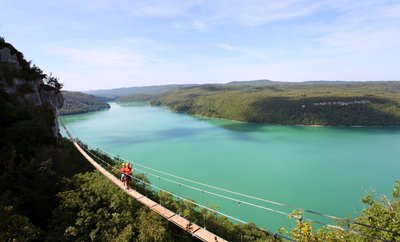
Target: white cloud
x,y
207,14
226,47
257,54
200,26
148,8
258,12
111,53
201,14
106,62
359,28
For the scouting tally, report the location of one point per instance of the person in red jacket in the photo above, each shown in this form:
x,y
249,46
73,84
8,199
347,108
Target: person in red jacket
x,y
126,174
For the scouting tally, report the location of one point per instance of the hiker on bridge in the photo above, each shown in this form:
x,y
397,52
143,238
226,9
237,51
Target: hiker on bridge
x,y
126,174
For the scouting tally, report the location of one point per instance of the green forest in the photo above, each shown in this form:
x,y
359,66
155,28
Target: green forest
x,y
308,103
49,192
78,102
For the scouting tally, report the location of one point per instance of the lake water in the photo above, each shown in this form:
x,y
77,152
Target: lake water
x,y
325,169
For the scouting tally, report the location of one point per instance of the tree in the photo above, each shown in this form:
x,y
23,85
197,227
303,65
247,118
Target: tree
x,y
380,218
54,82
14,226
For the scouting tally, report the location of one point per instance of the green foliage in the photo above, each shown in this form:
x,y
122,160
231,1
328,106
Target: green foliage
x,y
53,81
381,212
96,209
380,219
151,227
340,104
32,166
27,72
23,129
77,102
14,226
92,208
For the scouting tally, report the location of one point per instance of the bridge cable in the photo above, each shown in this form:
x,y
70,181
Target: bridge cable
x,y
182,198
252,197
261,199
269,209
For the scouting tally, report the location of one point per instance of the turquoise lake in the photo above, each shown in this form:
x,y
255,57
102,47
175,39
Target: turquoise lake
x,y
326,169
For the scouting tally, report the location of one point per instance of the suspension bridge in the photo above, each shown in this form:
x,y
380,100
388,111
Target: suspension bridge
x,y
196,230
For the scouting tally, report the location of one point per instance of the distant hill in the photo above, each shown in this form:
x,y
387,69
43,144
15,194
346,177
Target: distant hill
x,y
113,94
295,103
140,97
254,83
78,102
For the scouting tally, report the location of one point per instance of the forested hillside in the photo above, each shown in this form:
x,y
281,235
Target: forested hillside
x,y
309,103
77,102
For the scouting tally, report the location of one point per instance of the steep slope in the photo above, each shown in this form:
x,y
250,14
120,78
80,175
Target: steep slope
x,y
34,159
78,102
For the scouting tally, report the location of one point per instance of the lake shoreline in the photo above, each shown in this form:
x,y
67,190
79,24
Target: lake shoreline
x,y
278,162
288,125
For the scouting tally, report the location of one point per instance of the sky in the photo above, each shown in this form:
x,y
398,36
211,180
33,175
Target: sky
x,y
102,44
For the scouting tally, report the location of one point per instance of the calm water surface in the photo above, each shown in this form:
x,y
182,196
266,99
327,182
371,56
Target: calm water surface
x,y
319,168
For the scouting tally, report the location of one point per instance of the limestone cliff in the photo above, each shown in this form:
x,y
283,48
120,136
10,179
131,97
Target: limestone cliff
x,y
19,78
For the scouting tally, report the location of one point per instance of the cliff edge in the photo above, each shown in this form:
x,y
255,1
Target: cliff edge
x,y
20,78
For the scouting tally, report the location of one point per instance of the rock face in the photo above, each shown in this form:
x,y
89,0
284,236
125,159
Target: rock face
x,y
34,92
53,97
7,59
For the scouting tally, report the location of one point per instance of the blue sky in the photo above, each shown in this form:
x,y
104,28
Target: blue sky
x,y
98,44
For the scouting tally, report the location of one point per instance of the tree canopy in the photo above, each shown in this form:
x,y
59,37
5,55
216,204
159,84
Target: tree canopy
x,y
338,104
77,102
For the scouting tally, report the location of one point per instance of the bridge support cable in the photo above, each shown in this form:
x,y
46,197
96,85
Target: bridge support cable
x,y
301,218
187,200
331,217
239,201
193,229
178,220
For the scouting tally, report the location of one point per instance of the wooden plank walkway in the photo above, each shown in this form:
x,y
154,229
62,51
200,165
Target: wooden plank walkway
x,y
194,229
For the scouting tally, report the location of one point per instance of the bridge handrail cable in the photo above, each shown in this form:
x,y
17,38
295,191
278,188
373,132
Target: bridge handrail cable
x,y
347,220
236,219
184,199
241,194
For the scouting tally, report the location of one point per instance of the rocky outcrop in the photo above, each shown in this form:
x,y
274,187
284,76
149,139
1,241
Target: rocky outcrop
x,y
34,92
53,97
8,59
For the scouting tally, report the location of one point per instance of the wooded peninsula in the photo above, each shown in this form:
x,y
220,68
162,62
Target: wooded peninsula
x,y
78,102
